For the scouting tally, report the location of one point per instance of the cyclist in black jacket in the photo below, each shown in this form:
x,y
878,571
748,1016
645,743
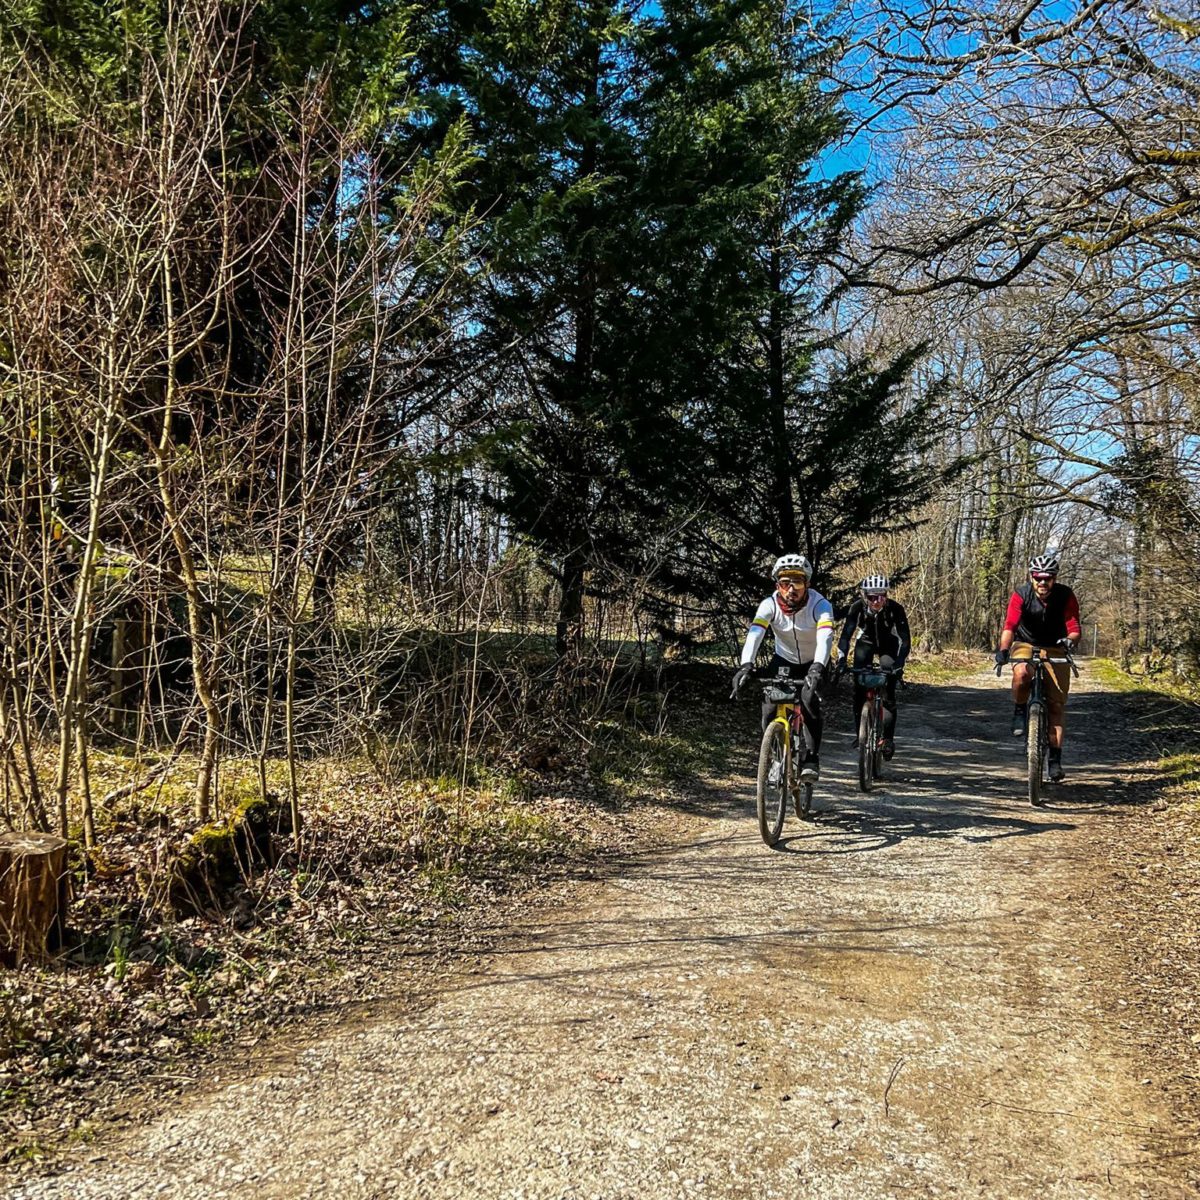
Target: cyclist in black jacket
x,y
885,636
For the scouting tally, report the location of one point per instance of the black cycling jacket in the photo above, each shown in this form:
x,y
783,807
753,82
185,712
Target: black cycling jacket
x,y
886,630
1043,624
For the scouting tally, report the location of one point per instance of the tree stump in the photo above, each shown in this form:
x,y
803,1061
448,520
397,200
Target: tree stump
x,y
33,895
220,857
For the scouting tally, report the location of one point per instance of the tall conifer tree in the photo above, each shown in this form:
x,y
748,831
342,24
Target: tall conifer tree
x,y
651,227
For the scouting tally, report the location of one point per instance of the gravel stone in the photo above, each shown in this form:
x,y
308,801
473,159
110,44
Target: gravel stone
x,y
900,1000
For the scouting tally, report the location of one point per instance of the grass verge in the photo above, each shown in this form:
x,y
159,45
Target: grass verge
x,y
1168,715
944,667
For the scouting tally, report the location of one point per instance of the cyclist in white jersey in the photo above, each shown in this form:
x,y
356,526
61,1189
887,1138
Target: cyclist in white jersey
x,y
801,622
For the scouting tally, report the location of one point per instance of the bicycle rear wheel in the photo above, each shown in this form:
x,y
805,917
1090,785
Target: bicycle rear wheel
x,y
1035,743
801,792
804,801
866,746
772,782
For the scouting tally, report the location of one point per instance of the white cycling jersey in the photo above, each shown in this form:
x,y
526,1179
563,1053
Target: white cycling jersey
x,y
803,636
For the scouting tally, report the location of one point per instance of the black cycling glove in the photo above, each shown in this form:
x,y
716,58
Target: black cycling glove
x,y
1001,657
741,675
812,681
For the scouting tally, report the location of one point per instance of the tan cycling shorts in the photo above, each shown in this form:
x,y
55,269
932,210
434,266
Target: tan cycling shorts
x,y
1058,675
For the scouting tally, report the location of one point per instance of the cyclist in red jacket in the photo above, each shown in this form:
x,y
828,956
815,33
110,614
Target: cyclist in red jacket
x,y
1042,614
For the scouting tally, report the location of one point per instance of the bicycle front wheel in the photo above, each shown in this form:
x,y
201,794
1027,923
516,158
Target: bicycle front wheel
x,y
772,782
866,746
877,740
1035,743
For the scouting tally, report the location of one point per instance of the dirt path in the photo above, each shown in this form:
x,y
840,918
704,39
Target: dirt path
x,y
908,998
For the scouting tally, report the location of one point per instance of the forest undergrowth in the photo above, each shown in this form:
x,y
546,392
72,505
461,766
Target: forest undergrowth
x,y
154,980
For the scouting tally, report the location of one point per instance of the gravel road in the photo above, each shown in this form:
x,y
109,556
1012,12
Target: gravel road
x,y
910,996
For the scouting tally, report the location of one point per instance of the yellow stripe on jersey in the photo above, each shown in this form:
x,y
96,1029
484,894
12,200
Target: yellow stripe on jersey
x,y
762,621
824,623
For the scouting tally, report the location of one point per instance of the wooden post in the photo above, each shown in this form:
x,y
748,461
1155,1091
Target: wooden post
x,y
33,895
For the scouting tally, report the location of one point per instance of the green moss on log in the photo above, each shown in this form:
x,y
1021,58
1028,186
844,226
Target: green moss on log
x,y
219,858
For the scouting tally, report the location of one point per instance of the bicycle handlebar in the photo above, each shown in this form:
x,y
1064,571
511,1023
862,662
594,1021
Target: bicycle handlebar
x,y
1067,658
897,672
792,681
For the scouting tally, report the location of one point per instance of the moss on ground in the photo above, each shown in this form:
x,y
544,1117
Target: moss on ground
x,y
942,668
1184,772
1109,672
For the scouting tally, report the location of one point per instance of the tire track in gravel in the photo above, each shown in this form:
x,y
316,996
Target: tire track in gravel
x,y
903,999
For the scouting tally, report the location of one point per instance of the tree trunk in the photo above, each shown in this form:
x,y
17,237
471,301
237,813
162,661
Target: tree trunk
x,y
787,491
289,721
117,716
204,673
82,618
569,631
28,785
33,895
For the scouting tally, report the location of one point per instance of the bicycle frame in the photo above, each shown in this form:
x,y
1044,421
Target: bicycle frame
x,y
778,750
1037,728
1037,688
870,748
788,713
786,728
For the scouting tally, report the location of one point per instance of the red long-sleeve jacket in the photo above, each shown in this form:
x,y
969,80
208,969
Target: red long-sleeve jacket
x,y
1029,620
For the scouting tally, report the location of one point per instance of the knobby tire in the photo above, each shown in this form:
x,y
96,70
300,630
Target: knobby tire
x,y
866,738
772,799
802,793
877,757
1035,742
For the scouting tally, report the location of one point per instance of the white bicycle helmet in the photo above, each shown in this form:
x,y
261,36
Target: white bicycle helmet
x,y
792,562
875,583
1046,563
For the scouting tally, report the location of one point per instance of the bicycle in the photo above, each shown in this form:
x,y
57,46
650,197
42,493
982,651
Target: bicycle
x,y
778,761
1037,724
870,723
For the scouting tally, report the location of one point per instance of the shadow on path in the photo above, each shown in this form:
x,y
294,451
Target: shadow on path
x,y
958,774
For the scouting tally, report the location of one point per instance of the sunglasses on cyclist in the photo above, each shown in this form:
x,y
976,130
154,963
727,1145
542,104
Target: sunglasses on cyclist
x,y
1041,577
793,581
